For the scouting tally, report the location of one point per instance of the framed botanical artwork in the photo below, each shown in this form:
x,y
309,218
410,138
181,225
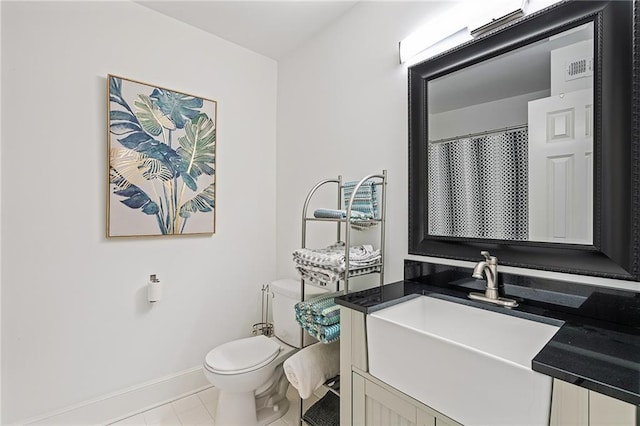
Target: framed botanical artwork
x,y
162,155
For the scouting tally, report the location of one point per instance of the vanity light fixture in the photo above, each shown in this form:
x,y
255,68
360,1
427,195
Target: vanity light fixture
x,y
502,12
432,33
462,22
455,39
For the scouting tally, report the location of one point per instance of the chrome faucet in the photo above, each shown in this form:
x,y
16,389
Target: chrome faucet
x,y
489,268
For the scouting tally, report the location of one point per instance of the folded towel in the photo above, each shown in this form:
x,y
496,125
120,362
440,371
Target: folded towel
x,y
340,214
331,319
320,317
319,305
313,280
326,278
333,257
325,266
328,316
320,277
310,367
323,333
363,226
363,253
322,311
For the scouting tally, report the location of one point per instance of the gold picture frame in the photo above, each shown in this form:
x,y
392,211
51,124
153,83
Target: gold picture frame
x,y
161,161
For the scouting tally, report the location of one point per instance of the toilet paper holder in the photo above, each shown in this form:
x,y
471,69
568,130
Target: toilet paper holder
x,y
154,289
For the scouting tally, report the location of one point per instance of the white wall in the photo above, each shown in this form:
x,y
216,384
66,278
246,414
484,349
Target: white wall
x,y
559,59
342,108
0,217
498,114
75,323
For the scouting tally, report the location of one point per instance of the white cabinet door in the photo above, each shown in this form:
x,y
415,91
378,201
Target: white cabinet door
x,y
378,404
443,422
427,419
572,405
569,405
607,411
375,406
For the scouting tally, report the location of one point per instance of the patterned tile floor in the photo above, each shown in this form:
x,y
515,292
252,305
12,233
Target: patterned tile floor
x,y
199,409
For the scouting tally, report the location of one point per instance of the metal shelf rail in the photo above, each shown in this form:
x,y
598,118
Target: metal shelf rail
x,y
380,180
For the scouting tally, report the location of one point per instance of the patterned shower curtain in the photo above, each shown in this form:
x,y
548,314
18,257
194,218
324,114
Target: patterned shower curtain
x,y
478,186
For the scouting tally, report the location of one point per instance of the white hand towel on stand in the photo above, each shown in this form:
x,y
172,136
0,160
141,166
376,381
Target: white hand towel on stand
x,y
310,367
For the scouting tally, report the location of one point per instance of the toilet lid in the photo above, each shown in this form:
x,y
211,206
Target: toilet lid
x,y
243,355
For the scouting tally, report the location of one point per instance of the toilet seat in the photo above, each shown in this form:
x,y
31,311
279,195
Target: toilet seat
x,y
242,356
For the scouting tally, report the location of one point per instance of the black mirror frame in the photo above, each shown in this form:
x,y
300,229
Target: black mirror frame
x,y
615,249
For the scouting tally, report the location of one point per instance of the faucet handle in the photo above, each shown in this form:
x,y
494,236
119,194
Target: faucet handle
x,y
489,259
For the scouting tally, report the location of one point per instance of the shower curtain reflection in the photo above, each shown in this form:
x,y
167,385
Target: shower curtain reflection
x,y
478,186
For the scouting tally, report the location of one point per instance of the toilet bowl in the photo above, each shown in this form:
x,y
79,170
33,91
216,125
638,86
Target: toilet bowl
x,y
248,372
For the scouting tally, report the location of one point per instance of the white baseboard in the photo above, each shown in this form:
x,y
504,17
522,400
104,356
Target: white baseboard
x,y
128,402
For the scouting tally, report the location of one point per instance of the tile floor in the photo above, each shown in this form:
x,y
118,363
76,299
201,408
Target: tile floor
x,y
199,409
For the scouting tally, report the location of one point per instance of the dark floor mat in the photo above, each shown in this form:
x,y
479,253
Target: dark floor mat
x,y
325,412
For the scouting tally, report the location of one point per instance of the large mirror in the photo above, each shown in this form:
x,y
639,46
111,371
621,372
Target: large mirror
x,y
521,142
510,154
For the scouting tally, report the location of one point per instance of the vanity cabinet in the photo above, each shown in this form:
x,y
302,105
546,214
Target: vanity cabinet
x,y
375,403
365,400
574,405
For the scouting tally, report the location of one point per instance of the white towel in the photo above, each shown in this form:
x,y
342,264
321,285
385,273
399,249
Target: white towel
x,y
310,367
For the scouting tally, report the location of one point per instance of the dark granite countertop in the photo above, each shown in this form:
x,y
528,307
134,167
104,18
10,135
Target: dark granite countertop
x,y
597,346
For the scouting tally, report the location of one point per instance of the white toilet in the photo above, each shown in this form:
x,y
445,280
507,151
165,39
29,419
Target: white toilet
x,y
248,372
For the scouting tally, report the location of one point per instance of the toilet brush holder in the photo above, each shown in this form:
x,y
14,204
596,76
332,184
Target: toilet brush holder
x,y
264,327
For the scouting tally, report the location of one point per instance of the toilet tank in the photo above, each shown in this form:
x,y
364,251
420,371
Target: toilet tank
x,y
286,293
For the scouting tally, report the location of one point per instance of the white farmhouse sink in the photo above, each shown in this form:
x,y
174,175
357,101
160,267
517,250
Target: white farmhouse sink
x,y
470,364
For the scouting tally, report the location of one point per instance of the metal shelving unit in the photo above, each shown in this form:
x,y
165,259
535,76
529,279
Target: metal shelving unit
x,y
380,180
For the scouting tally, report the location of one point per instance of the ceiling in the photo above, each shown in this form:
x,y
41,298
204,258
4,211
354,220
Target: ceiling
x,y
271,28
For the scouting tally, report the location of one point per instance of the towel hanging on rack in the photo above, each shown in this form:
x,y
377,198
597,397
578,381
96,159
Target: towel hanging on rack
x,y
310,367
365,200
